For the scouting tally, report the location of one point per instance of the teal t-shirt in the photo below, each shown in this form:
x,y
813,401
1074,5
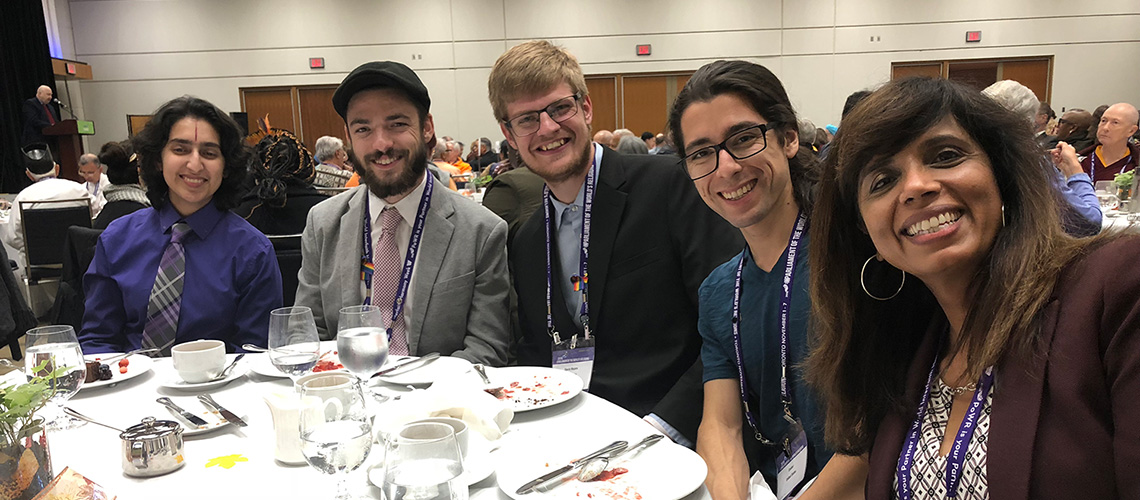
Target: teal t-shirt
x,y
760,344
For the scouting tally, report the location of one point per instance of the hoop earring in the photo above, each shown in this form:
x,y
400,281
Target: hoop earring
x,y
863,282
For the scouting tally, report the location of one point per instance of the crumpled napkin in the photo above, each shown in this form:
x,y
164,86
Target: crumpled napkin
x,y
458,397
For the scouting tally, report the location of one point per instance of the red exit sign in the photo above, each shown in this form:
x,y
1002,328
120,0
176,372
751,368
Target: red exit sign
x,y
644,50
973,36
316,63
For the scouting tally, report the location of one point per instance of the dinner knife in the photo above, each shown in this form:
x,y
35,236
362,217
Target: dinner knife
x,y
190,417
228,415
529,487
422,359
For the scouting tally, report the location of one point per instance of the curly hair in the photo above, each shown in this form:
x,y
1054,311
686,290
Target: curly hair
x,y
150,142
283,161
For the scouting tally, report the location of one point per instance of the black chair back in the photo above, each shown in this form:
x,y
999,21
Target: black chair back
x,y
45,230
69,299
288,250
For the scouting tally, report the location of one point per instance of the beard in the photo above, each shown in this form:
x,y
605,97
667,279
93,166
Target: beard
x,y
415,163
580,164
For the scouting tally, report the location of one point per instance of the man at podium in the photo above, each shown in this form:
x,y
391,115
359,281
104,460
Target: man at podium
x,y
38,114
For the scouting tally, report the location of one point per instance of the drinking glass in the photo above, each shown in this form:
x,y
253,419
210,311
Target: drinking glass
x,y
293,343
336,433
362,340
422,462
58,346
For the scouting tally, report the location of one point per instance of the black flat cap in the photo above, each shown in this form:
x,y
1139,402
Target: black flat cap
x,y
380,74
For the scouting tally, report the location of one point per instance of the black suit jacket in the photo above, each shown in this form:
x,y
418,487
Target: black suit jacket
x,y
652,242
35,119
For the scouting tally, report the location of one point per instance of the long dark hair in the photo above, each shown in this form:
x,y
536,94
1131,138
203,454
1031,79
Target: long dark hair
x,y
865,346
150,142
761,89
121,162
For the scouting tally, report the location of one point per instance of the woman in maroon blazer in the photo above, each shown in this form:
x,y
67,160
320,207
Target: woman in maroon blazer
x,y
967,348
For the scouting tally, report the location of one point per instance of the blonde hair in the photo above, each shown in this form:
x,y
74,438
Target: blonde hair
x,y
531,68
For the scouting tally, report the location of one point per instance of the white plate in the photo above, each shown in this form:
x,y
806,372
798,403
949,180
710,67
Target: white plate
x,y
664,471
426,374
261,365
214,420
532,387
476,467
175,382
138,365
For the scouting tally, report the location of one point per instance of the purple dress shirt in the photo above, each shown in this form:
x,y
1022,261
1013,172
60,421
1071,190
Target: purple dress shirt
x,y
232,280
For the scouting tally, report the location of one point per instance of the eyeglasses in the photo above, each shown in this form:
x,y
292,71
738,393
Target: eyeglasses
x,y
740,145
559,111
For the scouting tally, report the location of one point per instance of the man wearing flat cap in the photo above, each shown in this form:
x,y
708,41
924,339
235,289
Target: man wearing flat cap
x,y
434,262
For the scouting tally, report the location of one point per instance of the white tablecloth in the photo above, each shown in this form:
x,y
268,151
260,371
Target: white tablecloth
x,y
1119,223
95,451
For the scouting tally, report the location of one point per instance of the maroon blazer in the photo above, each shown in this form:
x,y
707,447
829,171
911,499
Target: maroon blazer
x,y
1065,422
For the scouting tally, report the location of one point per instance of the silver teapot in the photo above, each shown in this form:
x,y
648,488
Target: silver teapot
x,y
152,448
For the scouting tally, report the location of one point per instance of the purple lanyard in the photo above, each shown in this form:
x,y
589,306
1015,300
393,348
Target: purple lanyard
x,y
957,457
409,257
587,208
785,311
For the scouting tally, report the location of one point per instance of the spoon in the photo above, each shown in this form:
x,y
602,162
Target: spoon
x,y
254,348
596,465
83,417
226,371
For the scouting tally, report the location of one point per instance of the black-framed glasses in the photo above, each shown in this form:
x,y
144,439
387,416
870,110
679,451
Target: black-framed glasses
x,y
740,145
559,111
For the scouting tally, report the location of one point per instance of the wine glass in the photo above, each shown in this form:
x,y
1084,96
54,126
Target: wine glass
x,y
423,462
362,340
293,343
336,433
59,348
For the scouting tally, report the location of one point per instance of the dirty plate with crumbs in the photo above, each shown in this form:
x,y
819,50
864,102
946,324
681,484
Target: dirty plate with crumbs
x,y
533,387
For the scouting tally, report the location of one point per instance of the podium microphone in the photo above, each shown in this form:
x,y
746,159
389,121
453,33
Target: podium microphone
x,y
64,106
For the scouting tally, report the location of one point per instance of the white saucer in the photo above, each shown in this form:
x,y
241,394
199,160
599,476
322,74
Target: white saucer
x,y
476,467
176,383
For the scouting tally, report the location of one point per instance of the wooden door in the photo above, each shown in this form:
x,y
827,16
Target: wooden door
x,y
903,70
1031,73
978,75
646,100
275,102
603,96
318,118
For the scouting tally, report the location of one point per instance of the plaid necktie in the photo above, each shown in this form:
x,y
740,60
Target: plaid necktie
x,y
386,278
166,296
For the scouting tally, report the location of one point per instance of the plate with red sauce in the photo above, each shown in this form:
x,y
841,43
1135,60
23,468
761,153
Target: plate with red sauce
x,y
664,471
529,388
329,361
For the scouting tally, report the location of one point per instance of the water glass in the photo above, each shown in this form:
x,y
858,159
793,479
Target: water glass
x,y
58,346
293,343
422,462
362,340
336,433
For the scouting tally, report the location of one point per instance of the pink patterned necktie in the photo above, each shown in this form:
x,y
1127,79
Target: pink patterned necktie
x,y
386,278
166,294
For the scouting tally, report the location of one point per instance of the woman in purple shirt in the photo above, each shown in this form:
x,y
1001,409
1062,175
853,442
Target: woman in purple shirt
x,y
193,160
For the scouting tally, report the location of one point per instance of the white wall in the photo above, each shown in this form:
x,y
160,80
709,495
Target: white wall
x,y
145,52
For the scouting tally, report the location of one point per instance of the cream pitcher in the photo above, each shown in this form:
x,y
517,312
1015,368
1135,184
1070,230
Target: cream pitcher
x,y
286,411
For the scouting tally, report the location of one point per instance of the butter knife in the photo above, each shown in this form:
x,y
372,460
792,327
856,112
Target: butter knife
x,y
529,487
422,359
228,415
190,417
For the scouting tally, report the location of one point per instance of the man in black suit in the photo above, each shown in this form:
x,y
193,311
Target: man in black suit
x,y
650,243
38,114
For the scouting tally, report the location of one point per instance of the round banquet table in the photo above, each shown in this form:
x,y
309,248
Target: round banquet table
x,y
96,451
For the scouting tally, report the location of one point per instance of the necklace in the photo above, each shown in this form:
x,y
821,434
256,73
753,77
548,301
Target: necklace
x,y
957,391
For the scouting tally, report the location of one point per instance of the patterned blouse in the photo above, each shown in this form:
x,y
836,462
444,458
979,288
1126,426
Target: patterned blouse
x,y
928,479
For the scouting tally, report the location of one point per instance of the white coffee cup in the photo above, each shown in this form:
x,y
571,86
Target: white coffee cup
x,y
335,384
200,360
459,426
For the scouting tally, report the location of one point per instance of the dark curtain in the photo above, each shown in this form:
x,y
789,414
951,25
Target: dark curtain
x,y
25,64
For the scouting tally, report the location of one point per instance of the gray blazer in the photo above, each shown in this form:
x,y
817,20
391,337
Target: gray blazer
x,y
460,291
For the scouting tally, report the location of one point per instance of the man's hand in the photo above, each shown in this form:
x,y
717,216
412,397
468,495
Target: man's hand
x,y
1064,158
